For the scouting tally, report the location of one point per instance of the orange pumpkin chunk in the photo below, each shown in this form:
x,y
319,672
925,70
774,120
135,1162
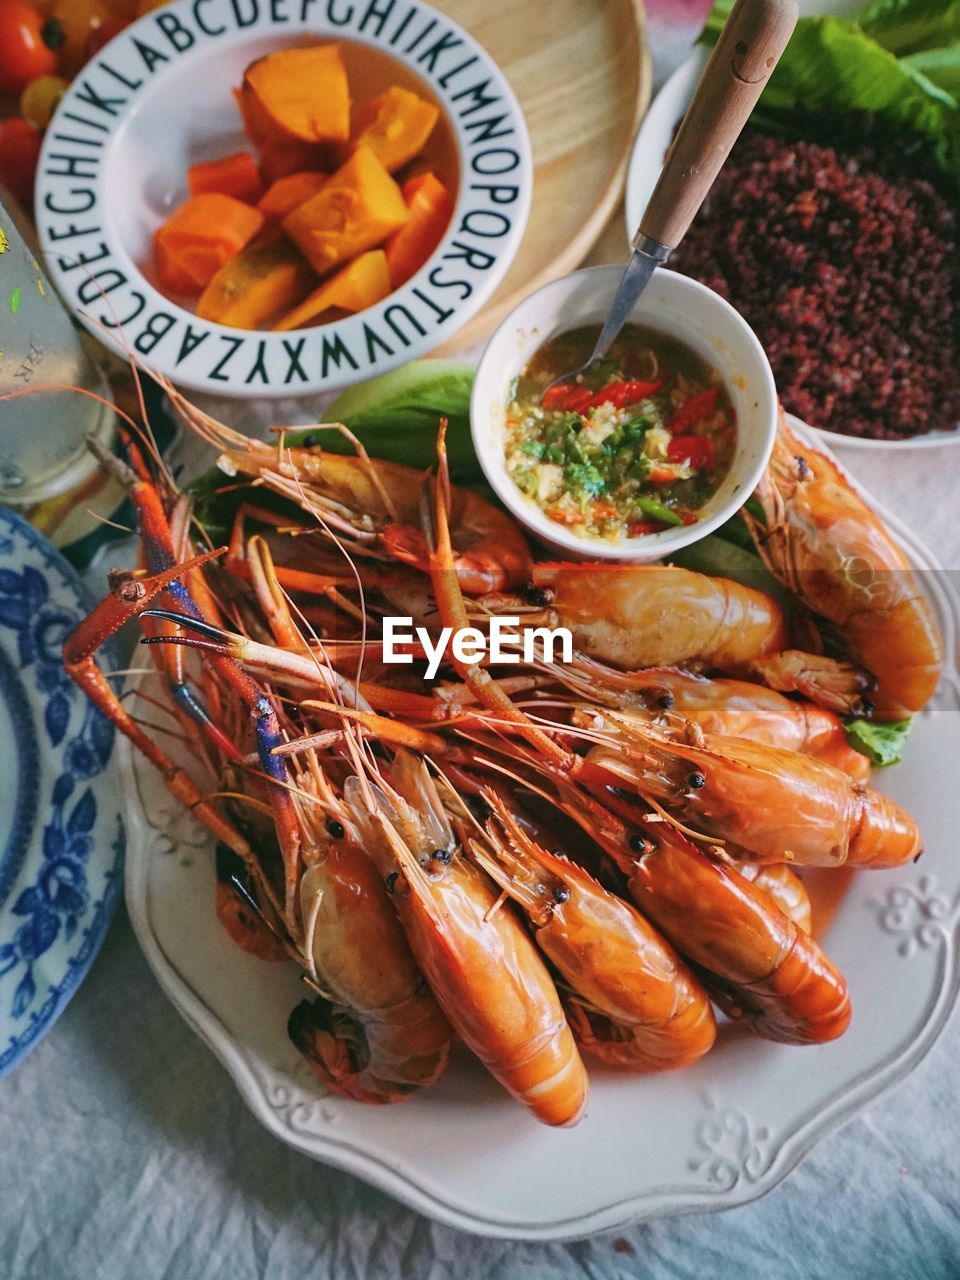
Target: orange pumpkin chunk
x,y
256,285
199,237
395,125
298,95
358,208
233,175
355,287
430,205
283,196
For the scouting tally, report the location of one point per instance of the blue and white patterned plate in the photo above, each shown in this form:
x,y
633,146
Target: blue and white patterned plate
x,y
61,833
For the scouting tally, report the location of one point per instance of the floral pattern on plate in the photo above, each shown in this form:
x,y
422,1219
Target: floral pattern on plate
x,y
61,834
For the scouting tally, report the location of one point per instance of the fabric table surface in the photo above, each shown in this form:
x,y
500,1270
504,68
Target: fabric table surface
x,y
126,1153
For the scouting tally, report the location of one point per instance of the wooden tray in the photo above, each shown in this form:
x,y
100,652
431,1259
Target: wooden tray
x,y
581,69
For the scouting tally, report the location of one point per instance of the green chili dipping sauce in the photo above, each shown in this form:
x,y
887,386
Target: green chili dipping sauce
x,y
638,447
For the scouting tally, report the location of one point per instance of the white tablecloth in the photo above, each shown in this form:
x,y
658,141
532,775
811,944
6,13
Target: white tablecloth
x,y
127,1154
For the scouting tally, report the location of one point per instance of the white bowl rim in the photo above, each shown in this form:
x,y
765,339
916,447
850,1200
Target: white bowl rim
x,y
642,170
437,317
646,547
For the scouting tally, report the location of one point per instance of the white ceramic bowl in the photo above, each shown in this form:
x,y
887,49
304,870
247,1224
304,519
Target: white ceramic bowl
x,y
158,98
676,306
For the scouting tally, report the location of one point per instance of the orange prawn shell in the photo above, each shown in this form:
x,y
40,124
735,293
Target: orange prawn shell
x,y
785,888
761,964
627,974
660,615
363,960
836,554
738,709
495,989
777,804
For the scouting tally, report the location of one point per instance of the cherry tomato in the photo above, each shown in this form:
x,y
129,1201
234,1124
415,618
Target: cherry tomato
x,y
19,153
39,99
23,53
72,23
104,34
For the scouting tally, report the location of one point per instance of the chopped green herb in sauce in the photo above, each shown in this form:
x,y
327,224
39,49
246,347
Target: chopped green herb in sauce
x,y
637,447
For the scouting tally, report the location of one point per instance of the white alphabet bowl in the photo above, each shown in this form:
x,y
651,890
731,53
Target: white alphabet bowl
x,y
159,98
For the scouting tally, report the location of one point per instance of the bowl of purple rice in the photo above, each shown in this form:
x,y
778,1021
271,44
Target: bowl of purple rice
x,y
842,255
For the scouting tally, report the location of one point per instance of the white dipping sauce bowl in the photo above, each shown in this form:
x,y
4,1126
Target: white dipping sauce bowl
x,y
674,305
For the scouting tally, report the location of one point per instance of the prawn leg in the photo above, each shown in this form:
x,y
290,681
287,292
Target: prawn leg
x,y
159,555
127,600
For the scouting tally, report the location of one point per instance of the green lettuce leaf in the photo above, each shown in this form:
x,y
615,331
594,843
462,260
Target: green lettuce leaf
x,y
906,26
881,741
831,67
720,558
942,66
396,417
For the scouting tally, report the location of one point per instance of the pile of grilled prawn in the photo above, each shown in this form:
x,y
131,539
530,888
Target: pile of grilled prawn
x,y
551,862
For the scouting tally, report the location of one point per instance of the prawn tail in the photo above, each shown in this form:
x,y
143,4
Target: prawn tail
x,y
805,1000
334,1045
642,1048
383,1060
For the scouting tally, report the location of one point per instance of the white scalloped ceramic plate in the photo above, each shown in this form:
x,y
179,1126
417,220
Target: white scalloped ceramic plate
x,y
646,160
714,1136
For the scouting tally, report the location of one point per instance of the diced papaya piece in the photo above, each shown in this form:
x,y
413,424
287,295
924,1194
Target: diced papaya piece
x,y
233,175
203,234
359,207
299,95
259,283
395,125
283,196
430,205
355,287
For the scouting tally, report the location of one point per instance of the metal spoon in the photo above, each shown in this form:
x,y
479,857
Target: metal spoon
x,y
750,45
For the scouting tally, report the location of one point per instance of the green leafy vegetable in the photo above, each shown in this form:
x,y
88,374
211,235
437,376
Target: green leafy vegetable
x,y
942,66
735,530
583,480
216,497
396,417
832,67
721,559
905,26
881,741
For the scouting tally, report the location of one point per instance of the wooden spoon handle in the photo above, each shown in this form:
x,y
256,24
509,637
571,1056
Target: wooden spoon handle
x,y
749,48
